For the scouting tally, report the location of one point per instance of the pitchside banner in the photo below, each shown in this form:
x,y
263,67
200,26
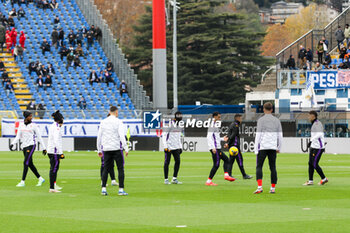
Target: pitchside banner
x,y
68,144
330,79
77,128
289,145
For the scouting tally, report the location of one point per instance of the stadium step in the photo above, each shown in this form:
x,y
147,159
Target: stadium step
x,y
21,91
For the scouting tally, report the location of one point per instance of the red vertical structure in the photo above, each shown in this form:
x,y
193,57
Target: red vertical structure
x,y
160,99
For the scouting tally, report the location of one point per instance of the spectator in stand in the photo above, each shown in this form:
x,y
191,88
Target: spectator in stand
x,y
82,103
123,88
11,22
22,39
54,38
41,111
61,37
48,82
45,4
18,52
13,12
70,59
9,87
339,36
291,63
2,36
343,52
4,21
63,52
50,70
53,4
42,71
71,38
327,60
334,67
108,78
32,67
302,57
318,67
326,42
94,78
71,49
56,20
8,40
80,37
2,66
98,34
77,61
45,47
40,82
13,35
320,51
90,38
93,30
110,67
31,106
309,58
4,77
21,13
84,30
347,34
79,51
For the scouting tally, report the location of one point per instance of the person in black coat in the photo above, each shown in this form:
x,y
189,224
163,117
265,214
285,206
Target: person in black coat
x,y
32,67
56,20
45,47
291,63
40,82
63,52
90,38
110,67
61,37
48,82
54,38
2,66
93,78
98,34
71,38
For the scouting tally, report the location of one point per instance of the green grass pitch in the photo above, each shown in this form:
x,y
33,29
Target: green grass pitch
x,y
153,207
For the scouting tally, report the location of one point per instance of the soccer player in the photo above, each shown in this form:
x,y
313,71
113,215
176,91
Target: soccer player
x,y
28,132
171,138
316,146
214,144
111,173
268,142
233,140
54,149
111,138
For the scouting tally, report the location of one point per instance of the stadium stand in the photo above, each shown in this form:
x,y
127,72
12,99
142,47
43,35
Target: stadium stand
x,y
68,85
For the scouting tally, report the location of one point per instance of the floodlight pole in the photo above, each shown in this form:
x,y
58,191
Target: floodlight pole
x,y
175,56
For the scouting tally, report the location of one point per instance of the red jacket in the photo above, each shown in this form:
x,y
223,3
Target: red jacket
x,y
22,39
13,34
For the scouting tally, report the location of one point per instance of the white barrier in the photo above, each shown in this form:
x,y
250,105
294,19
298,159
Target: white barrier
x,y
289,145
77,128
68,144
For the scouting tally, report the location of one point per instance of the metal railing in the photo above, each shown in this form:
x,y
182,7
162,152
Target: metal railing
x,y
287,79
115,54
311,38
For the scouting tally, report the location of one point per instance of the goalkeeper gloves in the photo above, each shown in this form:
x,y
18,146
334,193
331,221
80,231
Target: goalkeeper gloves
x,y
62,156
44,152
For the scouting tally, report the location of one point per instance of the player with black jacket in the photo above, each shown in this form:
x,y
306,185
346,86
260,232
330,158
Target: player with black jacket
x,y
233,139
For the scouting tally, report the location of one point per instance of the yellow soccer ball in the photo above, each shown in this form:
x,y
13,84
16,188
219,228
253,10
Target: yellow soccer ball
x,y
233,151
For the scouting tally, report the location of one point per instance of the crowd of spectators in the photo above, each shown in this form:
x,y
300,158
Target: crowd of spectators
x,y
44,74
